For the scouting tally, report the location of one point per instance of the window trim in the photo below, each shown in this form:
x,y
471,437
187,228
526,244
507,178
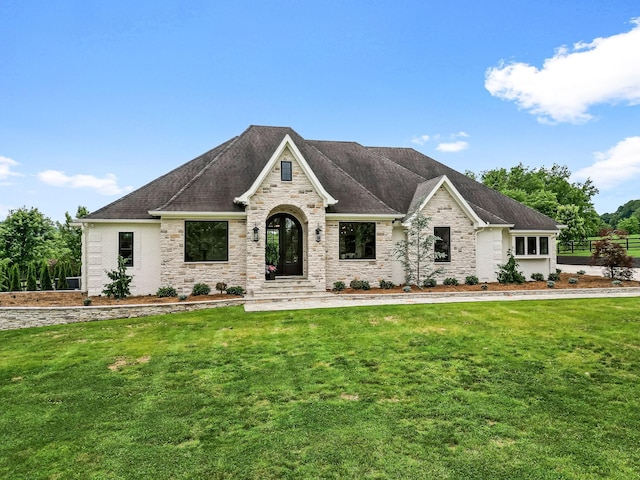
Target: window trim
x,y
286,174
343,255
437,243
226,256
522,245
129,259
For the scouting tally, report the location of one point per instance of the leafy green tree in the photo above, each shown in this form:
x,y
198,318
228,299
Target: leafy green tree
x,y
69,242
26,236
546,189
569,215
631,225
45,277
417,252
631,208
120,281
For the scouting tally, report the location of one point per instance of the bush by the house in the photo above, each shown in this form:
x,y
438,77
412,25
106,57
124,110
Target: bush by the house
x,y
87,302
450,281
484,286
429,283
235,290
406,288
360,284
339,286
120,281
573,280
554,277
509,272
538,277
167,291
200,289
386,284
182,297
616,283
551,283
471,280
221,286
581,272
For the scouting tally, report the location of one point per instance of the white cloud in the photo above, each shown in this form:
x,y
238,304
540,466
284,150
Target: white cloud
x,y
421,140
453,146
105,186
5,168
617,165
605,71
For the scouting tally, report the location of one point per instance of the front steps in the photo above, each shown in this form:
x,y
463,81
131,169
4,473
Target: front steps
x,y
287,288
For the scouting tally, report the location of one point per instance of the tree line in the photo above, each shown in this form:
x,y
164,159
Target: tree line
x,y
37,253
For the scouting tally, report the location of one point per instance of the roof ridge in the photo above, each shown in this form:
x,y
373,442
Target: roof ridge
x,y
205,168
337,167
371,149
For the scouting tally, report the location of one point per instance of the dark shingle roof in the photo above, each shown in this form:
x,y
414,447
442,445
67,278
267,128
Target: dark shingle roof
x,y
364,180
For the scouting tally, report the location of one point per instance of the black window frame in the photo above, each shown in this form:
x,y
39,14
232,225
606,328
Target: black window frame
x,y
286,174
532,246
191,257
124,251
350,247
442,243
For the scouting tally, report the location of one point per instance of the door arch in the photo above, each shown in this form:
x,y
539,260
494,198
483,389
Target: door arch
x,y
284,244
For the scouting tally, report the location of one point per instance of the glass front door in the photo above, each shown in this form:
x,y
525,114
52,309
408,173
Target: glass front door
x,y
284,244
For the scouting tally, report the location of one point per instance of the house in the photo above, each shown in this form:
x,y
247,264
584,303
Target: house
x,y
319,211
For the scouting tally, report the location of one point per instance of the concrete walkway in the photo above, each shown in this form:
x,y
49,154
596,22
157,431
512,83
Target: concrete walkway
x,y
331,300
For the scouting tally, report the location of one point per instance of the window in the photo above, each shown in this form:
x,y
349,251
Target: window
x,y
357,240
443,243
206,241
285,171
532,245
125,247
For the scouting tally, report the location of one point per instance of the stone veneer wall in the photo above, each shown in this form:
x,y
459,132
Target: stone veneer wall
x,y
13,318
445,212
371,270
298,198
183,276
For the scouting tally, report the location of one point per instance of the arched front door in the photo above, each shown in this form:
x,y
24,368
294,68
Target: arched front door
x,y
284,244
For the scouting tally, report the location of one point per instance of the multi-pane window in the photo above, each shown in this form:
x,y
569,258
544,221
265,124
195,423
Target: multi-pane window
x,y
532,245
285,171
442,244
206,241
357,240
125,247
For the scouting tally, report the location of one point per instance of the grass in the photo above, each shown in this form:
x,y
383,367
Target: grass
x,y
633,251
527,390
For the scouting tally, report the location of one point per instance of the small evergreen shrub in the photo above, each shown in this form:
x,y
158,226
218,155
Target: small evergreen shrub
x,y
87,302
573,280
235,290
429,283
581,272
200,289
450,281
45,277
554,277
484,287
509,273
616,283
538,277
221,286
120,281
386,285
471,280
551,283
339,286
167,291
182,297
406,288
15,282
32,280
360,284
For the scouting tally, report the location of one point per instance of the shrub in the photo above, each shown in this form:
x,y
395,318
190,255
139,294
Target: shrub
x,y
407,288
360,284
471,280
119,287
509,273
484,287
167,291
573,280
200,289
235,290
386,284
221,286
538,277
86,302
182,297
581,272
554,277
338,286
616,283
32,282
450,281
551,283
45,277
430,283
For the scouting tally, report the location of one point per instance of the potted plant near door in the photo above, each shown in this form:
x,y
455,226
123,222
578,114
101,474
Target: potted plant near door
x,y
270,272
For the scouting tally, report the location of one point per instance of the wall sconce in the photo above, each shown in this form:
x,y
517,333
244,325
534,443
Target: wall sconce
x,y
318,230
256,233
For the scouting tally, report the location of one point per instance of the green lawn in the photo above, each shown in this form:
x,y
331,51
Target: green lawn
x,y
633,251
512,390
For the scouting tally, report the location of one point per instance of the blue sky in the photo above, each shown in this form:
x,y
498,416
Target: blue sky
x,y
99,98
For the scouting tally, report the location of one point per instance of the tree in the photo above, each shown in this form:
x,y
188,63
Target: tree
x,y
45,277
32,279
546,189
119,287
26,235
61,276
15,279
569,215
4,275
612,255
631,225
69,248
417,252
631,208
